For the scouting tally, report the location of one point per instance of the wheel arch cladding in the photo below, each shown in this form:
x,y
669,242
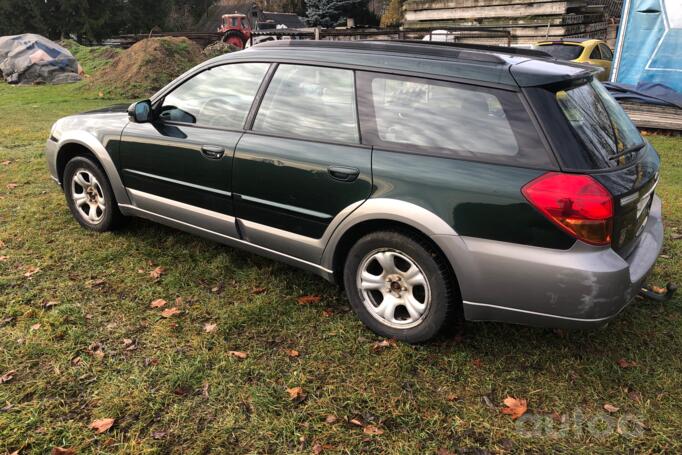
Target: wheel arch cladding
x,y
70,147
359,230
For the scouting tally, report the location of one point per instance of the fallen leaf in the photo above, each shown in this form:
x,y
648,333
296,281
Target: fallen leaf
x,y
2,244
308,299
383,344
372,430
217,288
204,389
168,312
3,258
179,300
5,163
7,376
257,291
95,350
238,354
610,408
444,452
76,361
327,313
635,396
296,394
50,304
292,352
317,449
210,327
515,407
11,186
452,397
158,303
157,272
659,290
330,419
151,362
30,271
102,425
62,451
35,326
159,434
96,283
626,363
477,363
676,236
127,342
357,422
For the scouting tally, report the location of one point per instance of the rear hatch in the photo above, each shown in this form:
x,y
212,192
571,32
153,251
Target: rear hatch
x,y
614,153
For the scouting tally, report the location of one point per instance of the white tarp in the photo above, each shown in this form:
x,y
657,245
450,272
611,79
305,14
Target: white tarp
x,y
29,59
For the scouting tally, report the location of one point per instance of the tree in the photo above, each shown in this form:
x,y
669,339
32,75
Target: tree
x,y
328,13
393,15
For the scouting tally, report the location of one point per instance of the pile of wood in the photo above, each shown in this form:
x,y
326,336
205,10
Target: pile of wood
x,y
528,20
652,116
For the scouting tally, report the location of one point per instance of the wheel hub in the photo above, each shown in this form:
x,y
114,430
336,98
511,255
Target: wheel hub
x,y
88,196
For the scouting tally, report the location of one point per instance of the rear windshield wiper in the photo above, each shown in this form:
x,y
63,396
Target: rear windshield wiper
x,y
627,151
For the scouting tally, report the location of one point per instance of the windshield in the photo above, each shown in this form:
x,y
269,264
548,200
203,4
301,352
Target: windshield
x,y
600,122
562,51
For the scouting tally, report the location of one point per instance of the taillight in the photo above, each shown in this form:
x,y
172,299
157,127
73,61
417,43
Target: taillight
x,y
578,204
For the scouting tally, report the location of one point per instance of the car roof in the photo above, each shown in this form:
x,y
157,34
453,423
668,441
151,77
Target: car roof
x,y
488,64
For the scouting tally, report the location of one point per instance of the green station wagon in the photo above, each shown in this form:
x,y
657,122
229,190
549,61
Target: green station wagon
x,y
432,181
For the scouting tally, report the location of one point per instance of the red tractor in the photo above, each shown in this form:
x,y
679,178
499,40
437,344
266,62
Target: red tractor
x,y
236,30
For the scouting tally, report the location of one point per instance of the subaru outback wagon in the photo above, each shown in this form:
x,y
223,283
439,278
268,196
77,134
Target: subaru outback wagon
x,y
431,181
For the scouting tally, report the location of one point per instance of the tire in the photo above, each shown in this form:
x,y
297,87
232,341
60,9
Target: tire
x,y
89,195
405,273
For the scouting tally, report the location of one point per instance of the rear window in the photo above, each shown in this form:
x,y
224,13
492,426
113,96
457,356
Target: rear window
x,y
600,123
562,51
448,119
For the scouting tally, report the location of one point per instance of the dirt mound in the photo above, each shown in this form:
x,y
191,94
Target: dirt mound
x,y
217,49
147,66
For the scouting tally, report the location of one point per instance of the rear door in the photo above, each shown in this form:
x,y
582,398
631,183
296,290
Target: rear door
x,y
301,164
180,165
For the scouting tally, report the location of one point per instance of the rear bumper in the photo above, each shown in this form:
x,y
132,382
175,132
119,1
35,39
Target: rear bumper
x,y
582,287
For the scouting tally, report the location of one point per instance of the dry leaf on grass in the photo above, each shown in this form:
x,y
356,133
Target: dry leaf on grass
x,y
210,327
62,451
6,162
30,271
96,283
372,430
478,363
35,326
2,244
11,186
50,304
330,419
515,407
102,425
308,299
7,376
238,354
626,363
357,422
169,312
296,394
292,352
383,344
157,272
256,291
327,313
610,408
3,258
158,303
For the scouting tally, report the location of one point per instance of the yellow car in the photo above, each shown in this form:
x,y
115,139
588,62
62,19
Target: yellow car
x,y
581,50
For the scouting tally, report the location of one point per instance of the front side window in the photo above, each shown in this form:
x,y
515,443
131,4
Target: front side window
x,y
218,98
449,119
596,54
599,122
311,102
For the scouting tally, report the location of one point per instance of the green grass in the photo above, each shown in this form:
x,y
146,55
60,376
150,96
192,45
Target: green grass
x,y
91,58
444,395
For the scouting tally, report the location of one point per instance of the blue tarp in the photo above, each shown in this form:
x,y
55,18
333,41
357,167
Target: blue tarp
x,y
649,44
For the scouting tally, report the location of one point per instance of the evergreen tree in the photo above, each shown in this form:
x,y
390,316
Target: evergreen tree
x,y
328,13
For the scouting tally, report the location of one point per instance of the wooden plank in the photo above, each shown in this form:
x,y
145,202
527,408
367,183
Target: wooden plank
x,y
534,32
530,21
531,9
653,116
417,5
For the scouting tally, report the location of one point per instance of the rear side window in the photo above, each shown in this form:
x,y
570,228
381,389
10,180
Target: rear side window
x,y
311,102
219,97
596,54
606,53
448,119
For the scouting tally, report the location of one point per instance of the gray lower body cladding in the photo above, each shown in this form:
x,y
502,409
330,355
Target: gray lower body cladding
x,y
582,287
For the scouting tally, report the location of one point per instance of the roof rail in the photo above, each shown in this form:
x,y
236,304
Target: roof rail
x,y
481,47
398,46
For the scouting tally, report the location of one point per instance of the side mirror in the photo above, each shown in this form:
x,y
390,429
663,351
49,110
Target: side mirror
x,y
140,112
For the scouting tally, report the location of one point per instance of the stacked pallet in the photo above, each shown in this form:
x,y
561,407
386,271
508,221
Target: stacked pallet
x,y
652,116
528,20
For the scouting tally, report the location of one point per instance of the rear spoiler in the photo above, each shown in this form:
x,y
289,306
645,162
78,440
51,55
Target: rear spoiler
x,y
533,73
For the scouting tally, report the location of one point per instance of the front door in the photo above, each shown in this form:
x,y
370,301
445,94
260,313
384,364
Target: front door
x,y
180,165
302,163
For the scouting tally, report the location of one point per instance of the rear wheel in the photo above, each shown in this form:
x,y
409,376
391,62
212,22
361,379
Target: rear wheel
x,y
399,286
89,195
235,39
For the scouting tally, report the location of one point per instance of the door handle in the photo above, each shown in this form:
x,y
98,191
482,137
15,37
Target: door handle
x,y
343,174
212,152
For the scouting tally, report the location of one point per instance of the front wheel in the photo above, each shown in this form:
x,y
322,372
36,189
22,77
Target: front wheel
x,y
89,195
399,286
